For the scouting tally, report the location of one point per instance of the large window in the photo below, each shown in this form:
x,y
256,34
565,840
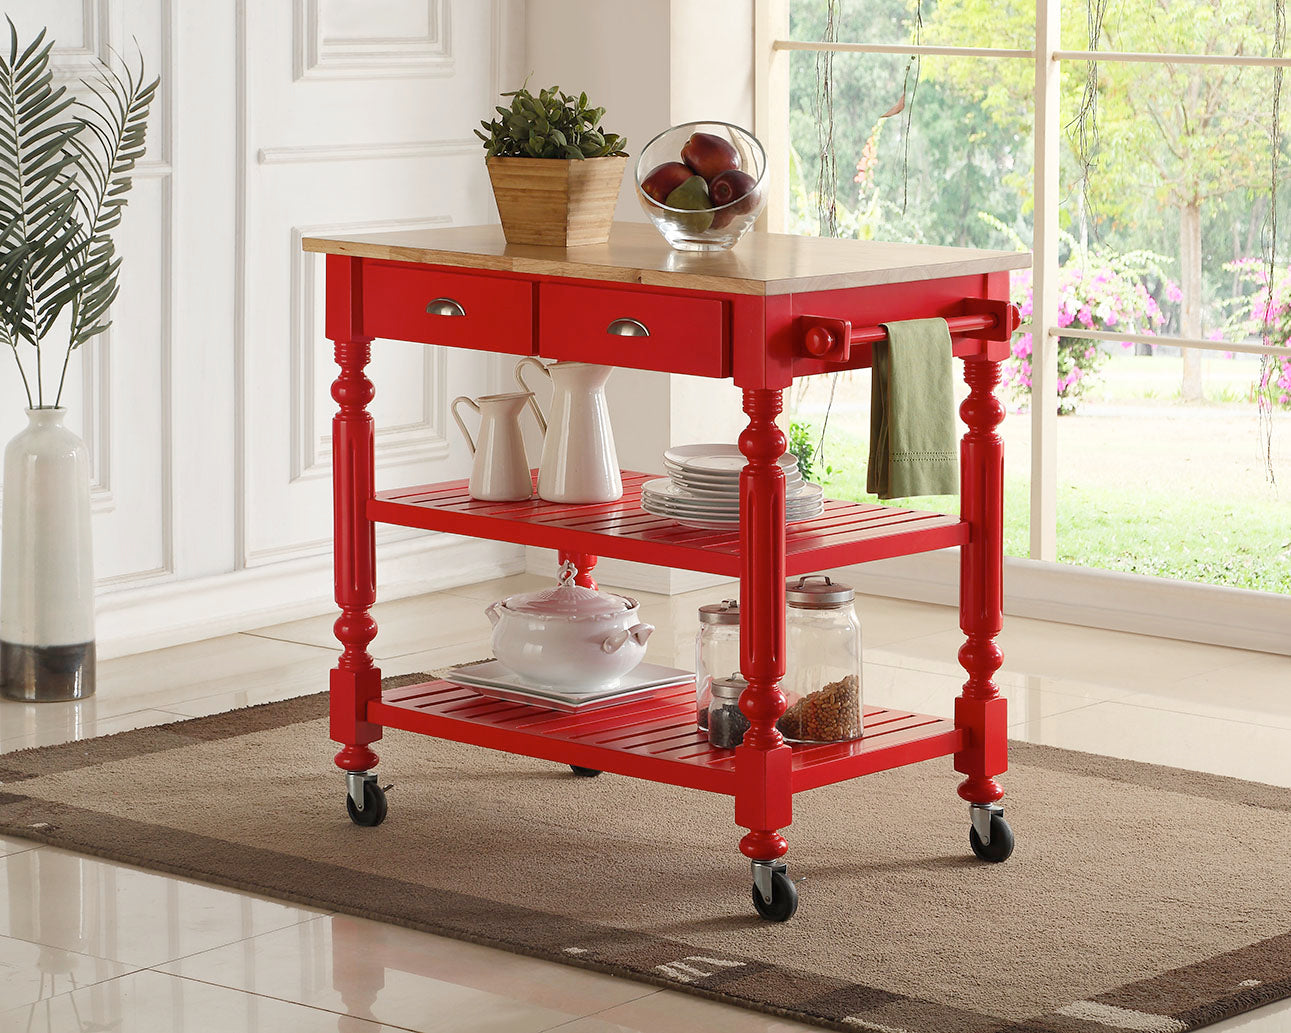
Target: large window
x,y
1150,393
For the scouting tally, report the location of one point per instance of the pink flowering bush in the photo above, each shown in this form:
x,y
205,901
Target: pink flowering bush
x,y
1095,292
1258,312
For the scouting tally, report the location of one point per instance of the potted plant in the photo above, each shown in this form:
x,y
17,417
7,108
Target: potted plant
x,y
64,176
555,171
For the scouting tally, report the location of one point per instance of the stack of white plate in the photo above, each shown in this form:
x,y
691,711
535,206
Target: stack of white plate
x,y
702,488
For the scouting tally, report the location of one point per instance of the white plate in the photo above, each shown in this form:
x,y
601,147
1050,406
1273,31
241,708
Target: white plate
x,y
717,480
730,476
491,678
664,507
714,520
709,493
707,525
664,489
791,515
731,487
716,457
722,525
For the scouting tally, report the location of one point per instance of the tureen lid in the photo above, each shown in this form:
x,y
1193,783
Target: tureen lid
x,y
568,599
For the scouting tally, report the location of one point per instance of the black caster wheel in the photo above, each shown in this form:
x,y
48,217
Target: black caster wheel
x,y
584,772
784,899
374,806
1001,844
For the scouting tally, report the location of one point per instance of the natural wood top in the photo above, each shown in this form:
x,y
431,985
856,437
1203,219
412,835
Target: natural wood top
x,y
761,263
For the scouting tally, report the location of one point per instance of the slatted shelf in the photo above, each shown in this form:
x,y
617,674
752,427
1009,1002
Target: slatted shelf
x,y
847,532
652,738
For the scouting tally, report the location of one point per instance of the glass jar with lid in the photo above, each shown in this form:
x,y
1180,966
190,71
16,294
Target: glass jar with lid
x,y
726,722
717,651
822,683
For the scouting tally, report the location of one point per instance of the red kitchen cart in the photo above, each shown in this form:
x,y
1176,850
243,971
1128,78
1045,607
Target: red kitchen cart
x,y
774,308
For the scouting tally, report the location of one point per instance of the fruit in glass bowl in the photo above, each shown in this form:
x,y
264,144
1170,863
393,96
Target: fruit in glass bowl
x,y
709,155
692,197
663,180
734,192
702,184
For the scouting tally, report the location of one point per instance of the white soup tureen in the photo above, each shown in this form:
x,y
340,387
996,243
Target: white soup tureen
x,y
568,637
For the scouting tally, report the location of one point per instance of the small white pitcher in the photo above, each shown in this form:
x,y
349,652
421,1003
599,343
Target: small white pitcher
x,y
500,472
579,463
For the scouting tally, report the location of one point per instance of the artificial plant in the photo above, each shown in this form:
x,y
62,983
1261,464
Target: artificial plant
x,y
64,176
550,125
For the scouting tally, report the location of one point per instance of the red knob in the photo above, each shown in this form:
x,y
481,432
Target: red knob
x,y
819,341
1013,318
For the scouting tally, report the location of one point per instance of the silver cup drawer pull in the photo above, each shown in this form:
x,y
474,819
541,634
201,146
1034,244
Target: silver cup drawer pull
x,y
445,307
628,328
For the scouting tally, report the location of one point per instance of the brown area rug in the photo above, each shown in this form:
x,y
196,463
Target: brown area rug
x,y
1139,897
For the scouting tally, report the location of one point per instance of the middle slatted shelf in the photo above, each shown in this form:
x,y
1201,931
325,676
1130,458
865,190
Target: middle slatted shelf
x,y
847,532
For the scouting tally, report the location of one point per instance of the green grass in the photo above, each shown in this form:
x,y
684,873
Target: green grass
x,y
1191,536
1136,379
1198,535
846,455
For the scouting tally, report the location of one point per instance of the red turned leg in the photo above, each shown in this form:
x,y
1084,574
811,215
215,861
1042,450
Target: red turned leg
x,y
355,679
584,561
980,710
763,798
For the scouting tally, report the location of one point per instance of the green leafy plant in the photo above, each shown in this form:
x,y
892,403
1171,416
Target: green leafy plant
x,y
800,446
64,176
550,125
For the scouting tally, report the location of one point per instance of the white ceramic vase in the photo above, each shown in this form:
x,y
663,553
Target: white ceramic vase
x,y
500,471
46,564
579,463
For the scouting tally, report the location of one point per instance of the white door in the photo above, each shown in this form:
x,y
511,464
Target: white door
x,y
207,406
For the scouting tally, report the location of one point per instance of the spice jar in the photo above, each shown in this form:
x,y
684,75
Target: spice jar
x,y
726,722
717,650
822,683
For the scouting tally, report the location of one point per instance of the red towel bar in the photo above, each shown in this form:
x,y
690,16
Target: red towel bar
x,y
828,338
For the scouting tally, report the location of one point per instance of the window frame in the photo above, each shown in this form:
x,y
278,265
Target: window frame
x,y
773,47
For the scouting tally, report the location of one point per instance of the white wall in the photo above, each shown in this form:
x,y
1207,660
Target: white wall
x,y
206,407
652,64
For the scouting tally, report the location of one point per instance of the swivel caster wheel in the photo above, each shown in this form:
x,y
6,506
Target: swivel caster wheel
x,y
374,805
784,894
1000,844
584,772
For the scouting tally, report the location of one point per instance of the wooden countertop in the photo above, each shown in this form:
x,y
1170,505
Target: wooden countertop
x,y
761,263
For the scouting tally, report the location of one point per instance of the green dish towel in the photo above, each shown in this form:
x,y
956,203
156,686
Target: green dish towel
x,y
913,450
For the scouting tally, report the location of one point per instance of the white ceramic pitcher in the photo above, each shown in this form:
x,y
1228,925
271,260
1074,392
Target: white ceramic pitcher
x,y
500,472
578,462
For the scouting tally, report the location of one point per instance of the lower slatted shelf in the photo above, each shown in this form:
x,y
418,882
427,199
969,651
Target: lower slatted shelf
x,y
653,738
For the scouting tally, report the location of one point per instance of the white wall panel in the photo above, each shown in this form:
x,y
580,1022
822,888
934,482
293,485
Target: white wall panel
x,y
410,416
357,39
84,30
370,151
132,398
118,388
207,406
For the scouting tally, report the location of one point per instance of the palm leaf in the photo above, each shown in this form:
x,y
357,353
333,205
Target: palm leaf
x,y
41,233
114,124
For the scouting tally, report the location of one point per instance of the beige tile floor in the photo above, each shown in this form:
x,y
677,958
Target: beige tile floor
x,y
88,944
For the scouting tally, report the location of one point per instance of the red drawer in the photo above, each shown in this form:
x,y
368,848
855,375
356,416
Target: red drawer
x,y
663,331
461,310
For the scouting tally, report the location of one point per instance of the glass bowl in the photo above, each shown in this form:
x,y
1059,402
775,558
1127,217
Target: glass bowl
x,y
704,228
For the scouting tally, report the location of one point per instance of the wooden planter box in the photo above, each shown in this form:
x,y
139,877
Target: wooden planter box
x,y
556,202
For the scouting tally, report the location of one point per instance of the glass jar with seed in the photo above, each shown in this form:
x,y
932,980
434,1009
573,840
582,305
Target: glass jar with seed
x,y
822,683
